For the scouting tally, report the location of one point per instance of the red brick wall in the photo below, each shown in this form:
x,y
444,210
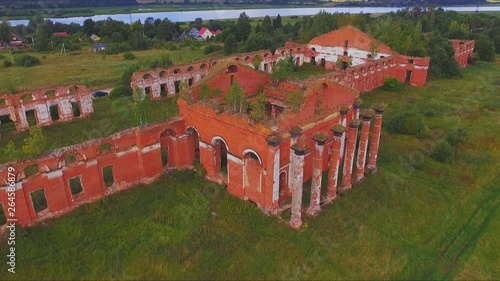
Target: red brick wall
x,y
134,155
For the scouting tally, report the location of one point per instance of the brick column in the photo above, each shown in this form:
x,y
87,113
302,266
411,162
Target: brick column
x,y
319,147
377,129
363,145
274,140
356,106
294,136
343,121
349,158
299,150
333,172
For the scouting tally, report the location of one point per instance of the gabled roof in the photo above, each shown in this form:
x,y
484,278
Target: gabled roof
x,y
203,30
15,37
194,30
355,37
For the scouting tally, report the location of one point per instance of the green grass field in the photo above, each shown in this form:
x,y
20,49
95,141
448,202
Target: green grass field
x,y
96,70
415,219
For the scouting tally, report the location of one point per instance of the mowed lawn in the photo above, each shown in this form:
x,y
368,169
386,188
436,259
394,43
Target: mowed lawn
x,y
415,219
97,70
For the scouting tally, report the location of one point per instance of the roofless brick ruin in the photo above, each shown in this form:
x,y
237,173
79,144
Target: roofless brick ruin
x,y
265,161
46,106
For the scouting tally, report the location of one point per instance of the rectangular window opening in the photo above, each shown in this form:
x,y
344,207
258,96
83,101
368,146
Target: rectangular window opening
x,y
54,112
30,117
76,109
107,173
164,156
76,185
163,88
39,201
177,85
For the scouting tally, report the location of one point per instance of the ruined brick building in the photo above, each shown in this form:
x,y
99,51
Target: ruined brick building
x,y
322,129
45,106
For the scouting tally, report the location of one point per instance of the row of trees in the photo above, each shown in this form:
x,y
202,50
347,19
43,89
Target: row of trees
x,y
421,31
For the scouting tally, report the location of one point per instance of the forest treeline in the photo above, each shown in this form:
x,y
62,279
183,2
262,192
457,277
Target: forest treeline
x,y
420,31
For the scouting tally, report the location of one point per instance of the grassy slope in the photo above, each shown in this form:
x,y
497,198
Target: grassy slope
x,y
416,218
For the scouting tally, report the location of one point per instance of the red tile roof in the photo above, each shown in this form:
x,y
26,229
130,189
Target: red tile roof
x,y
202,31
356,39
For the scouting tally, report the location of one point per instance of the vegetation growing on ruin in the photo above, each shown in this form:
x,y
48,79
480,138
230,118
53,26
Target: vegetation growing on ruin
x,y
417,218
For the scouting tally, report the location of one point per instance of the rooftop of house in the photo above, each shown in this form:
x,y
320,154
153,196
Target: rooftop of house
x,y
203,30
351,37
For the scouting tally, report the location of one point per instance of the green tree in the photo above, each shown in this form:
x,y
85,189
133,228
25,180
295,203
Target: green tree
x,y
277,23
283,69
258,107
236,100
230,44
267,25
204,94
35,144
5,32
42,37
242,28
258,41
485,48
294,101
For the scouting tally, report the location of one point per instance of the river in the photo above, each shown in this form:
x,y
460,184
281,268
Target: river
x,y
253,13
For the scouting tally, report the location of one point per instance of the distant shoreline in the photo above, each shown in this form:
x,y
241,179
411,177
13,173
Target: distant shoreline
x,y
158,8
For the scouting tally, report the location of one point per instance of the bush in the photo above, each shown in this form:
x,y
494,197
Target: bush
x,y
114,49
456,136
172,47
7,63
128,56
442,151
121,91
485,49
211,48
392,85
163,62
472,60
26,61
406,123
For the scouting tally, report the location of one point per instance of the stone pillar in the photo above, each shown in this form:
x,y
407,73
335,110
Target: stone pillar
x,y
156,90
299,150
363,145
343,121
319,147
273,140
294,135
377,128
333,172
349,158
356,106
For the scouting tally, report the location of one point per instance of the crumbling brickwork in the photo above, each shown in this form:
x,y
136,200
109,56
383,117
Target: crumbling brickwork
x,y
46,106
463,50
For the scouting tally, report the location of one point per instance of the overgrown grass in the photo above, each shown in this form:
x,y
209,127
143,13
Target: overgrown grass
x,y
306,71
97,70
415,219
